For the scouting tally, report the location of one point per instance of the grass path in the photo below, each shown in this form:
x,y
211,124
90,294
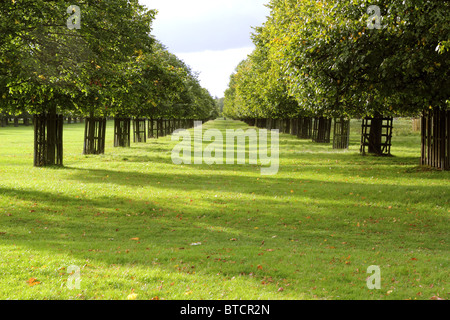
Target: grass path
x,y
130,218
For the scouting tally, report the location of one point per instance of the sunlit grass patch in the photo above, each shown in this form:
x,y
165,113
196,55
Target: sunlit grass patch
x,y
132,221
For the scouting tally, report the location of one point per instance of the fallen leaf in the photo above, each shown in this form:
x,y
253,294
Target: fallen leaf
x,y
32,282
132,296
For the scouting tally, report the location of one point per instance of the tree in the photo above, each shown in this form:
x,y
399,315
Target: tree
x,y
326,56
45,68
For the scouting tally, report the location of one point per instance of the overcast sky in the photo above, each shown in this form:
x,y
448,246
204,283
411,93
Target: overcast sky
x,y
211,36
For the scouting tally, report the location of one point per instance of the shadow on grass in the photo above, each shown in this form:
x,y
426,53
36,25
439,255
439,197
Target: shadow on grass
x,y
159,226
167,226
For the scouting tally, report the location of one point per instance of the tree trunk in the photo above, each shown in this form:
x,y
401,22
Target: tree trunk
x,y
150,128
322,130
48,139
94,135
294,127
122,132
436,139
341,137
377,135
304,130
287,126
139,131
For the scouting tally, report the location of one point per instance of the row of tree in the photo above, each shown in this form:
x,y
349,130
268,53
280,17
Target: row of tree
x,y
351,59
107,66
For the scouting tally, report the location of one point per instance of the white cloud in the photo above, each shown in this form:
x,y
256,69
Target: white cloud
x,y
198,25
212,36
215,67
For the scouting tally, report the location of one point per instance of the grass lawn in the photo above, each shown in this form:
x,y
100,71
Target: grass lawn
x,y
134,222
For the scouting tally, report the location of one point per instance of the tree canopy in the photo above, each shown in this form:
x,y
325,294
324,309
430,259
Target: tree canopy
x,y
327,58
110,65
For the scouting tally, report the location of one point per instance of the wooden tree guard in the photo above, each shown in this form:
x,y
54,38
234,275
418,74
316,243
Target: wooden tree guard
x,y
171,126
260,123
174,125
94,135
305,126
159,128
139,130
341,137
294,126
436,139
322,130
250,122
48,140
151,128
274,124
286,126
167,127
278,125
122,130
377,135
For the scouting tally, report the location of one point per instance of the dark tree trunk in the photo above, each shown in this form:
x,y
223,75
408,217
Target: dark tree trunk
x,y
122,128
139,131
269,124
294,127
377,135
341,137
48,139
322,130
166,127
94,135
436,139
304,130
287,126
151,133
160,128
